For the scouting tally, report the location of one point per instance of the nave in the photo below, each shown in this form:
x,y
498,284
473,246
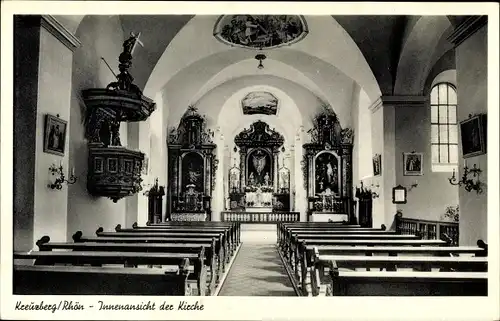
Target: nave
x,y
302,259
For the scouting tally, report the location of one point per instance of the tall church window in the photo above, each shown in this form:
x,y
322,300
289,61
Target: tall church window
x,y
444,128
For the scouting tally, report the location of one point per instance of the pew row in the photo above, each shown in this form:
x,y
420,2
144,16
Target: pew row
x,y
129,260
182,237
211,262
229,233
234,227
403,284
84,280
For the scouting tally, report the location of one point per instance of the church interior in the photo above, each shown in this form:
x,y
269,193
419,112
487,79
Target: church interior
x,y
250,155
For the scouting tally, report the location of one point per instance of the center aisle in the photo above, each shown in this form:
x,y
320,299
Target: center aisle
x,y
257,269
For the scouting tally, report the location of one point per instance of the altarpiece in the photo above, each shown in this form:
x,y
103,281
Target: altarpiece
x,y
192,165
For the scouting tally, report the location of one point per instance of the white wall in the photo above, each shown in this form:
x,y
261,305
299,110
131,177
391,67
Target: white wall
x,y
101,36
472,98
54,73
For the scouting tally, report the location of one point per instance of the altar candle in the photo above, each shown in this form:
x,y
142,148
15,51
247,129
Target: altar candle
x,y
73,172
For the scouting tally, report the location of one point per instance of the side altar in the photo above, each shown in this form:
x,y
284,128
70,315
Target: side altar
x,y
191,169
259,184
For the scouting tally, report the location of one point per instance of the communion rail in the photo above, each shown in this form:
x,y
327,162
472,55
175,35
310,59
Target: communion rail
x,y
427,229
269,217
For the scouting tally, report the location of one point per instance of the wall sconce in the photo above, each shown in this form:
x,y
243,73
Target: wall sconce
x,y
413,185
60,178
469,184
375,194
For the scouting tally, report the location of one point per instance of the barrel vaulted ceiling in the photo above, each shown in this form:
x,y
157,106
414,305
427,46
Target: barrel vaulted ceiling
x,y
377,53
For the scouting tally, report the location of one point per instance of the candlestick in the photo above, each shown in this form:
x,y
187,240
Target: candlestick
x,y
73,171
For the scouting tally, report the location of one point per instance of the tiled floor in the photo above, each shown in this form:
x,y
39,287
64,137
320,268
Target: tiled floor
x,y
257,269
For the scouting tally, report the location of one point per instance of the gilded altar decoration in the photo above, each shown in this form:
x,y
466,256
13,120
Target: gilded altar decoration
x,y
326,166
192,167
260,31
259,102
115,171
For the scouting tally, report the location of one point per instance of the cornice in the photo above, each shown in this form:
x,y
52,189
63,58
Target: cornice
x,y
467,28
398,101
60,32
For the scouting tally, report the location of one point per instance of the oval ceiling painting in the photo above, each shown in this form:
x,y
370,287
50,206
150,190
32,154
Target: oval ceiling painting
x,y
260,31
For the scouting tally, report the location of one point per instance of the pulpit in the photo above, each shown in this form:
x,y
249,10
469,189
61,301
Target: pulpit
x,y
192,165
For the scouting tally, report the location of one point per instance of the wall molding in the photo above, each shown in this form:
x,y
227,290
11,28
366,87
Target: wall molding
x,y
398,101
467,28
60,32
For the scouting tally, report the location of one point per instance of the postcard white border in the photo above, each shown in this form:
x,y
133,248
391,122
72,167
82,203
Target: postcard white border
x,y
258,308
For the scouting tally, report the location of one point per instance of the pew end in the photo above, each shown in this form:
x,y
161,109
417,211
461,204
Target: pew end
x,y
99,230
118,227
135,225
447,239
383,227
481,244
43,240
77,237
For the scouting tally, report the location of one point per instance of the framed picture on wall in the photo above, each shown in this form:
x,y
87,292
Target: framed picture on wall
x,y
377,165
473,135
412,163
399,194
54,139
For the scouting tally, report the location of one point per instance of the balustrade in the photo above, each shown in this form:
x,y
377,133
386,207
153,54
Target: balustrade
x,y
427,229
269,217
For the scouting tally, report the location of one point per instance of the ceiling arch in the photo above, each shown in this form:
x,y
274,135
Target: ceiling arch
x,y
334,47
419,52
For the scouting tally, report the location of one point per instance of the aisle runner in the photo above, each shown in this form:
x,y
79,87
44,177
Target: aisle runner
x,y
257,271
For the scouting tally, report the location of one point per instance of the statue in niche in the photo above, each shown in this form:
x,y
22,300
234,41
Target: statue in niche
x,y
326,166
259,165
251,180
266,179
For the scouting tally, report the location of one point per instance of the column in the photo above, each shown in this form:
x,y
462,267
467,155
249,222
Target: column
x,y
243,181
43,56
275,169
383,126
471,51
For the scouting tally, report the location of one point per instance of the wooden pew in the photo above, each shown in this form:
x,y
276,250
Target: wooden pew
x,y
229,232
316,270
220,236
235,226
215,269
292,251
128,259
404,284
222,255
79,280
284,229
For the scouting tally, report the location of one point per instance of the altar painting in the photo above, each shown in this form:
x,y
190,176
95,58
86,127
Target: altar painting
x,y
259,172
192,172
327,179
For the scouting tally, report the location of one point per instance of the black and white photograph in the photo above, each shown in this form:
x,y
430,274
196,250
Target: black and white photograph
x,y
258,124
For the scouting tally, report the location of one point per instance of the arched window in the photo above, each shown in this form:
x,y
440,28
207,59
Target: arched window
x,y
444,129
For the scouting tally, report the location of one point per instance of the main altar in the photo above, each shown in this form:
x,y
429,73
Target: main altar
x,y
258,183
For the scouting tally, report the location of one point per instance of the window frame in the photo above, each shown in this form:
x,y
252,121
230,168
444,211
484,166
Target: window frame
x,y
443,166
